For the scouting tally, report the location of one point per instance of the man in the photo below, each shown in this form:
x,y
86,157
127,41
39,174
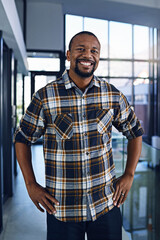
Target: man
x,y
75,114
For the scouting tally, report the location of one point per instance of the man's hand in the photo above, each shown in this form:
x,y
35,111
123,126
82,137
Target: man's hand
x,y
123,185
39,195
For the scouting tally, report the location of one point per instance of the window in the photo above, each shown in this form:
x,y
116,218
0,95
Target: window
x,y
19,94
42,80
100,29
43,61
120,69
141,42
27,91
120,40
128,59
124,85
74,24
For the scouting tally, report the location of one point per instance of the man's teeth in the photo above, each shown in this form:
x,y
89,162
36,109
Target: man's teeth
x,y
85,63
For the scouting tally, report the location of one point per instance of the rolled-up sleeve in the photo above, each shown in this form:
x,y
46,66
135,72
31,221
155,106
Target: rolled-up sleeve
x,y
126,121
32,124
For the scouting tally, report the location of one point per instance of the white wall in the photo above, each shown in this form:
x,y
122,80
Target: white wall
x,y
12,32
19,6
45,28
144,3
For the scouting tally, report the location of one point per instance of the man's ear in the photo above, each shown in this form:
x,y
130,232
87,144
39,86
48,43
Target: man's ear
x,y
68,55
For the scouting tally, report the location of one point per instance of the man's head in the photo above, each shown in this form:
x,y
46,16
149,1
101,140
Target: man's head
x,y
83,54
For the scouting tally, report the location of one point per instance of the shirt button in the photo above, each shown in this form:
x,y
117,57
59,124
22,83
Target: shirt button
x,y
85,134
89,192
88,173
87,153
84,115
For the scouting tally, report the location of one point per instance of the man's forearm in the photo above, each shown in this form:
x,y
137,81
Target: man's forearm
x,y
37,193
133,154
23,153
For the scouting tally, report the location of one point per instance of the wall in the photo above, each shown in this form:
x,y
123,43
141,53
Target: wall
x,y
12,32
144,3
45,26
20,9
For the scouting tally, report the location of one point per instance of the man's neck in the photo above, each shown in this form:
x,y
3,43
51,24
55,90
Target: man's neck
x,y
81,82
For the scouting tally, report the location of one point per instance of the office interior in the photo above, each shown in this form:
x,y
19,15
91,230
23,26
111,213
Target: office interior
x,y
34,37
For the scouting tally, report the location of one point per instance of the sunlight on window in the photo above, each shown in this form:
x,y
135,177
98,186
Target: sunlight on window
x,y
102,70
120,40
141,70
120,69
141,42
124,85
43,64
100,29
74,24
27,91
155,43
19,94
42,80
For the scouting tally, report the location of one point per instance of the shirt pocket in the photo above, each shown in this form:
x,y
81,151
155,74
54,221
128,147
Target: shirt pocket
x,y
104,119
63,126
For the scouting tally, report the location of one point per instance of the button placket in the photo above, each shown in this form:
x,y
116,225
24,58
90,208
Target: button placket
x,y
86,171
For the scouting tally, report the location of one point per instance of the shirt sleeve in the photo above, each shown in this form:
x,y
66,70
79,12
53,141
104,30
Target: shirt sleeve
x,y
126,121
32,124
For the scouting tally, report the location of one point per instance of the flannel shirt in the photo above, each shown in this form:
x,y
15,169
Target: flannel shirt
x,y
76,128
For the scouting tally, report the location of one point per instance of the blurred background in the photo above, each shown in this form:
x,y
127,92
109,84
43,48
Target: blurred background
x,y
34,37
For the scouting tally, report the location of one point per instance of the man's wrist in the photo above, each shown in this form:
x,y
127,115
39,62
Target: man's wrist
x,y
30,182
129,173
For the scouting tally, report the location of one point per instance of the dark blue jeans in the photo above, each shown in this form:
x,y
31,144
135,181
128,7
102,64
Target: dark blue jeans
x,y
106,227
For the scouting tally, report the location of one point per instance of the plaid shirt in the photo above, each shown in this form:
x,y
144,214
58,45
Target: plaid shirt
x,y
77,144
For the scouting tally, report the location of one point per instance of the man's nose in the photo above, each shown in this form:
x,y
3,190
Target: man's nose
x,y
87,53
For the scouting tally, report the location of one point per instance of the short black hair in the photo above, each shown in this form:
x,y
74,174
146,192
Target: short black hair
x,y
81,33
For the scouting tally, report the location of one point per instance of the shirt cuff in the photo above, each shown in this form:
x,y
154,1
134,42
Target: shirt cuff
x,y
18,137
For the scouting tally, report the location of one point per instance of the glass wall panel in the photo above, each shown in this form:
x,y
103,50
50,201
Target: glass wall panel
x,y
19,94
141,90
102,69
120,40
74,24
141,70
124,85
120,69
155,43
67,64
141,42
155,70
131,57
42,80
27,91
100,29
42,61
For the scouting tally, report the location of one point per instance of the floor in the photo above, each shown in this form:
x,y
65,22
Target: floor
x,y
141,213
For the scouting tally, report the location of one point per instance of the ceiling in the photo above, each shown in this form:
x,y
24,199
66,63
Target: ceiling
x,y
143,12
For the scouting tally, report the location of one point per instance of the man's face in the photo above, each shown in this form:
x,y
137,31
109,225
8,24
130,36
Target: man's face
x,y
84,55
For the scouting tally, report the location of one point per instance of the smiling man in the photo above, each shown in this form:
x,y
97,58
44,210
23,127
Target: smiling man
x,y
75,115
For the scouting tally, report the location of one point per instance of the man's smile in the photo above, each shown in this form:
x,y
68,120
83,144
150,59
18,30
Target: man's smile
x,y
85,62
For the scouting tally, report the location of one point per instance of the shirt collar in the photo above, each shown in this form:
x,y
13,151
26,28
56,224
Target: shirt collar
x,y
69,84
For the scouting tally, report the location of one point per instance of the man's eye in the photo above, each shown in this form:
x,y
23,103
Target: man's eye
x,y
94,51
80,49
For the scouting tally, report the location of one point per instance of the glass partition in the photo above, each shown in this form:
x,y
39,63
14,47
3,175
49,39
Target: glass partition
x,y
120,40
141,42
100,29
43,61
128,61
19,94
141,206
